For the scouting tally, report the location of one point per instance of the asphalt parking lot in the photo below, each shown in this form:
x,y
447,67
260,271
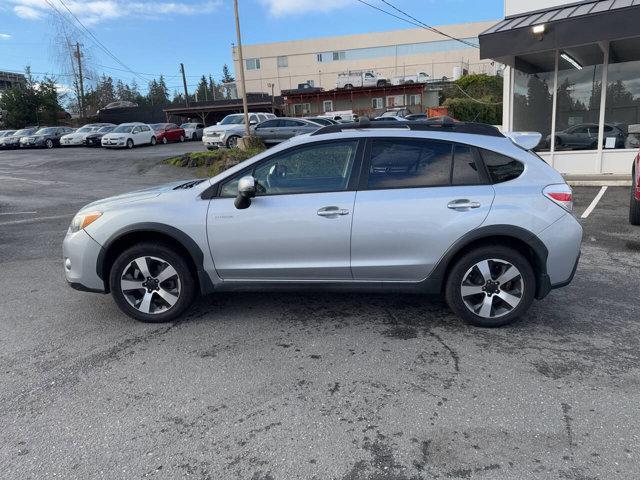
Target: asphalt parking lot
x,y
303,386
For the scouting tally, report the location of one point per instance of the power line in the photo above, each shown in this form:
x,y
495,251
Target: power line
x,y
414,21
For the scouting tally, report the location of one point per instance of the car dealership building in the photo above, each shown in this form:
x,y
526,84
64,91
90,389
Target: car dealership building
x,y
574,75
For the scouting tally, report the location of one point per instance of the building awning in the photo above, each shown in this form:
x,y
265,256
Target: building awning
x,y
564,26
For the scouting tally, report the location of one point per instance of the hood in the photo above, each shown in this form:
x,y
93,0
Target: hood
x,y
224,128
136,196
77,135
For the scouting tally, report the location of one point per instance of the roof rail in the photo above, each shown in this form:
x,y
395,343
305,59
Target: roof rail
x,y
441,123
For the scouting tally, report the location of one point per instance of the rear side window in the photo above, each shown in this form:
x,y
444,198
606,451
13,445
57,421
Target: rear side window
x,y
501,168
398,163
465,170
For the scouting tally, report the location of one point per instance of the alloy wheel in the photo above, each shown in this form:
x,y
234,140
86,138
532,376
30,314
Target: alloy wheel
x,y
232,142
492,288
151,285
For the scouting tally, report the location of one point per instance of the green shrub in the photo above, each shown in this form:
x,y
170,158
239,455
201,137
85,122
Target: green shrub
x,y
213,162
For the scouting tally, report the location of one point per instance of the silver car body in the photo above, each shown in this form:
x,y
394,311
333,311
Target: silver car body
x,y
192,131
218,135
400,237
277,130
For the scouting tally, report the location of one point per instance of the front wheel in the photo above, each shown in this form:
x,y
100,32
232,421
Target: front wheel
x,y
164,140
491,286
152,283
48,143
194,137
181,138
232,142
130,144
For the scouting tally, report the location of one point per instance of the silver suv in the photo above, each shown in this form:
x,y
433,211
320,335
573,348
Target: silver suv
x,y
451,208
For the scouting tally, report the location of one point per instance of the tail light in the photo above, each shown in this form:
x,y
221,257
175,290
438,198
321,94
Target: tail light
x,y
560,194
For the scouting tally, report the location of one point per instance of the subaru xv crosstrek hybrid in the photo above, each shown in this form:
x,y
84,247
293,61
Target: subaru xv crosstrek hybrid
x,y
448,208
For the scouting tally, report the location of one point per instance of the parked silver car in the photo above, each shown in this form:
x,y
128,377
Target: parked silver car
x,y
278,130
192,131
227,132
457,209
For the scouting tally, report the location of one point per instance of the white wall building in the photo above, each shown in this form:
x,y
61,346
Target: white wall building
x,y
574,75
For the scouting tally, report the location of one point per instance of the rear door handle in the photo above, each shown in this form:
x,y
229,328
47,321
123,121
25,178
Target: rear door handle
x,y
463,204
332,211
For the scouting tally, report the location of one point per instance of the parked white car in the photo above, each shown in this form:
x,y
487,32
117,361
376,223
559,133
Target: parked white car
x,y
129,135
361,78
420,77
227,132
192,131
78,137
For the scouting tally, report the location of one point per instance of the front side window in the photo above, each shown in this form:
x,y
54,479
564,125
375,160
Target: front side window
x,y
268,124
403,163
501,168
324,167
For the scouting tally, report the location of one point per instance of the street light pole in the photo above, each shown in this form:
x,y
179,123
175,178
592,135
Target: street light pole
x,y
245,107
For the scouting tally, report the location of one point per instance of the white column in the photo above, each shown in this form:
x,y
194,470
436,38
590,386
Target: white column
x,y
554,104
507,99
603,103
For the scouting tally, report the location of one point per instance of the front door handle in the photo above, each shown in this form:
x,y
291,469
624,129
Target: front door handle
x,y
463,204
332,211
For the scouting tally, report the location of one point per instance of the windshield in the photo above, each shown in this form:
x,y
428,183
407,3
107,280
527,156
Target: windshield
x,y
24,131
45,131
105,129
85,129
7,133
232,120
123,128
392,113
158,126
188,125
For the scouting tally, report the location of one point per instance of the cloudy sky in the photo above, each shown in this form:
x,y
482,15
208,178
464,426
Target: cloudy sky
x,y
153,37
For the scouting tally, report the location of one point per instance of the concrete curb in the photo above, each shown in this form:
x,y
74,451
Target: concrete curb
x,y
599,183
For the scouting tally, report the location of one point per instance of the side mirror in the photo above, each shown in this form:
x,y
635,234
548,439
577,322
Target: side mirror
x,y
246,191
253,122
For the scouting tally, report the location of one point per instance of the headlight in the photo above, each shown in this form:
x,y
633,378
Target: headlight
x,y
83,220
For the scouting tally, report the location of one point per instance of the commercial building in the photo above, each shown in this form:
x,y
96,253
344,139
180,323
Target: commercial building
x,y
574,75
9,80
284,65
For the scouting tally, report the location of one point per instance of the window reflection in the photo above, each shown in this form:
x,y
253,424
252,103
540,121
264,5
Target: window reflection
x,y
578,102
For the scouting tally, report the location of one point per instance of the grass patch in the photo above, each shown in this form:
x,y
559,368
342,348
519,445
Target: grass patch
x,y
211,163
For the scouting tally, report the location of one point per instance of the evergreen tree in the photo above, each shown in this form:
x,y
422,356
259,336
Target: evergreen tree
x,y
202,91
226,75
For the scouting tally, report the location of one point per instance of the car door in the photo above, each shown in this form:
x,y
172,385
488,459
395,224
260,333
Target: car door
x,y
145,134
268,131
418,197
298,226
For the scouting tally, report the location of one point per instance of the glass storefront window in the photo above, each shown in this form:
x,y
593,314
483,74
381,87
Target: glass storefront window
x,y
533,96
578,103
622,111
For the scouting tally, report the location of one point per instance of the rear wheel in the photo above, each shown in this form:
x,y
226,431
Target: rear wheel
x,y
491,286
194,137
48,143
382,83
181,138
152,283
634,205
153,141
348,86
130,144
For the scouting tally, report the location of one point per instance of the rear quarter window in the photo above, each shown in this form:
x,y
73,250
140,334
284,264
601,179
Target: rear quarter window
x,y
500,167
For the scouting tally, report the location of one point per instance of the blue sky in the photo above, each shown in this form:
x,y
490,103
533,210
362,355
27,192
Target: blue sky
x,y
154,36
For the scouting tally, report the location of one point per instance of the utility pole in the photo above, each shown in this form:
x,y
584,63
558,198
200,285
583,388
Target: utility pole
x,y
273,106
245,107
78,56
184,82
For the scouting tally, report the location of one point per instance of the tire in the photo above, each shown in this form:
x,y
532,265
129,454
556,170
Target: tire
x,y
153,141
634,205
179,288
182,139
130,144
381,83
348,86
210,148
232,141
164,140
500,261
48,143
194,137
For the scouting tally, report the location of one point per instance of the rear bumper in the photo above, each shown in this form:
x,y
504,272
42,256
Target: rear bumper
x,y
562,239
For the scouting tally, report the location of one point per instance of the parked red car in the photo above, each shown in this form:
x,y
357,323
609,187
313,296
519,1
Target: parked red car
x,y
168,132
634,207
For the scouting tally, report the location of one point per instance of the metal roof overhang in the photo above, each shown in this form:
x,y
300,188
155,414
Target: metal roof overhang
x,y
183,111
566,26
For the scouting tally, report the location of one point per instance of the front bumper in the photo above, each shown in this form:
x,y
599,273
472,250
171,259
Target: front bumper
x,y
68,142
80,256
113,143
217,140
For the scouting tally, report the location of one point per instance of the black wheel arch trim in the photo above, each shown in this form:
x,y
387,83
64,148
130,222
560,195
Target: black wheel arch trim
x,y
538,248
195,252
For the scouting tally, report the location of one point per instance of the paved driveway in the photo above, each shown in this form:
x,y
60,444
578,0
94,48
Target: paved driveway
x,y
310,386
